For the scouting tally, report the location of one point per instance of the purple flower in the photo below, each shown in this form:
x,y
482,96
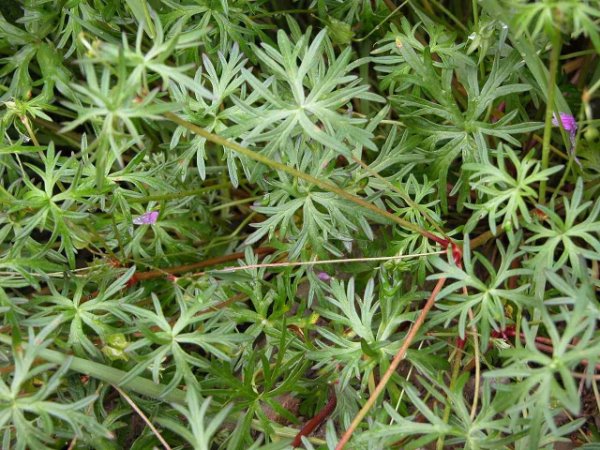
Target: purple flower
x,y
569,124
148,218
323,276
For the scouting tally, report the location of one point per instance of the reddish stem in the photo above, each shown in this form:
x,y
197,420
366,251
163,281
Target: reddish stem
x,y
316,421
140,276
443,242
457,254
150,274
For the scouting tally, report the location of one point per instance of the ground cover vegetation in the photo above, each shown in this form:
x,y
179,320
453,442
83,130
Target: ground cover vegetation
x,y
240,224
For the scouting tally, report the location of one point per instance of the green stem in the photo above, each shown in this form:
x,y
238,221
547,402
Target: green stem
x,y
593,89
562,181
394,122
281,12
107,374
446,11
172,195
448,407
298,174
554,58
242,225
378,26
579,53
235,203
27,124
70,137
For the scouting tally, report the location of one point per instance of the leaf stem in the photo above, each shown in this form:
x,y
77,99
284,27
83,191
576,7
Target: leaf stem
x,y
235,203
380,24
25,121
476,358
554,58
139,276
447,407
449,14
326,261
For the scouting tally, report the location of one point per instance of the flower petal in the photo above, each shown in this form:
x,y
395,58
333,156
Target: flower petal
x,y
148,218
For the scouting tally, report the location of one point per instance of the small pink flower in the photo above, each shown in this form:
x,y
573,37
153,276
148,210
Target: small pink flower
x,y
323,276
148,218
568,122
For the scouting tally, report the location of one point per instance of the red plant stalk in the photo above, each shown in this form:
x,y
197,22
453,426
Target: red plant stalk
x,y
139,276
316,421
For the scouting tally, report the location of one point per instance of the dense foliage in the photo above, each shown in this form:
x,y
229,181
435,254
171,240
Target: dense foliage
x,y
148,146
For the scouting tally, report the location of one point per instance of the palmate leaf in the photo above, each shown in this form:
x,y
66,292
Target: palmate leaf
x,y
574,238
325,217
528,51
547,378
234,20
486,297
30,418
143,65
113,106
507,197
487,430
225,81
311,109
218,338
448,132
372,318
43,208
200,430
85,317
